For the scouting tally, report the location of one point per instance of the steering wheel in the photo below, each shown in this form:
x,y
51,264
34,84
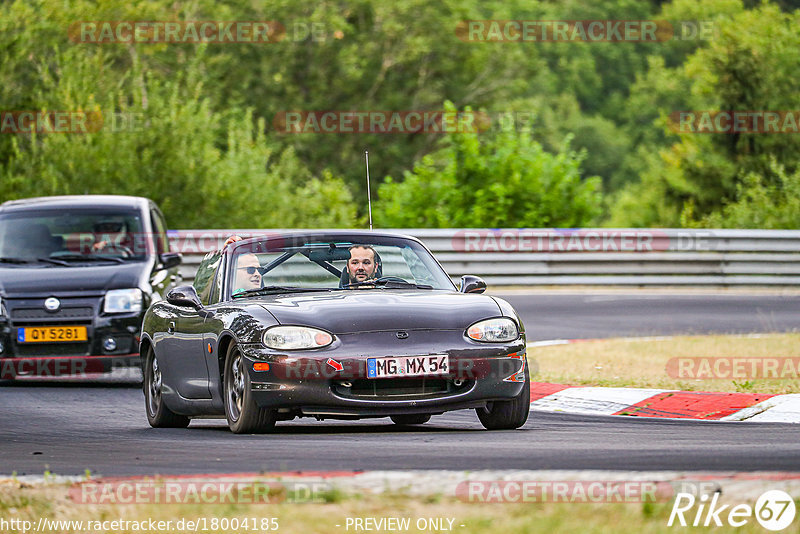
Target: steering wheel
x,y
390,279
111,246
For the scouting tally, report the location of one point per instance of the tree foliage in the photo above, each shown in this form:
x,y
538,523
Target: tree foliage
x,y
163,138
209,152
773,204
491,181
746,67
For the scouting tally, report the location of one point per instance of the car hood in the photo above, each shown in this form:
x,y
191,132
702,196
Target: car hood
x,y
375,309
19,281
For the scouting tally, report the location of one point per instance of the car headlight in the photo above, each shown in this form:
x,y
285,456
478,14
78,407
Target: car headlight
x,y
123,301
296,337
497,330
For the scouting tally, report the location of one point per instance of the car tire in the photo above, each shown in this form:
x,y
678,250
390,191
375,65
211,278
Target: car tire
x,y
158,415
243,414
510,414
411,419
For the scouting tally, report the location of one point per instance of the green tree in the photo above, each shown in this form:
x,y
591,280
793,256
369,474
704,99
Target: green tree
x,y
204,167
748,66
773,204
484,180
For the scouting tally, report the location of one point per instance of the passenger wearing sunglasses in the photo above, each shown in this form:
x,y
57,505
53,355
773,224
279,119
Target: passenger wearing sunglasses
x,y
248,269
248,273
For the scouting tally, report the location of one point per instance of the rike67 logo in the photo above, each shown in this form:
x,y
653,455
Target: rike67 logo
x,y
774,510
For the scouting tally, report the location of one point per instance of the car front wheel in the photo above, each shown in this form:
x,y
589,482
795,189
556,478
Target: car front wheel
x,y
243,414
510,414
158,415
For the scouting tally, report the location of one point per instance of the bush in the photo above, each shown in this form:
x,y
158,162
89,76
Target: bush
x,y
504,180
206,169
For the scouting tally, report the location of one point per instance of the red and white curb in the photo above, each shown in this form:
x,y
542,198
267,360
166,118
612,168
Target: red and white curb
x,y
665,403
661,403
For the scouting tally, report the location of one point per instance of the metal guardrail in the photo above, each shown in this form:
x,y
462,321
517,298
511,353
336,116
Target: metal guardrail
x,y
630,257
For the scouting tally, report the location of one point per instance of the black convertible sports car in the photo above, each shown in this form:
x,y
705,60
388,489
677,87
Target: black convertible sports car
x,y
342,325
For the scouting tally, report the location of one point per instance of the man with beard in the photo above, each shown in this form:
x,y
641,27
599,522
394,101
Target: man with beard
x,y
363,263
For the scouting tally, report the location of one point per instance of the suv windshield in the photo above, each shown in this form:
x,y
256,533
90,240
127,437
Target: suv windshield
x,y
71,235
335,264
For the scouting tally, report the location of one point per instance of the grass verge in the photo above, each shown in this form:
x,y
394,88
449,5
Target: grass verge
x,y
643,363
31,502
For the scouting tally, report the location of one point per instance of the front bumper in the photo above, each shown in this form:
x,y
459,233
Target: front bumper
x,y
311,383
73,358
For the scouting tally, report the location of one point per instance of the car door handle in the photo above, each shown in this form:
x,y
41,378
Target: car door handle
x,y
171,329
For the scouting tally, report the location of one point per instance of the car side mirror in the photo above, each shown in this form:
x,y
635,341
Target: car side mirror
x,y
472,284
184,296
169,260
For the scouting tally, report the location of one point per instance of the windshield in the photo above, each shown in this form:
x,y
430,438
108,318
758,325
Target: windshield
x,y
71,235
335,264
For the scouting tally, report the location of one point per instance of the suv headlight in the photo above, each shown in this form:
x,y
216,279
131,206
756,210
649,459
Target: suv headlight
x,y
123,301
296,337
498,330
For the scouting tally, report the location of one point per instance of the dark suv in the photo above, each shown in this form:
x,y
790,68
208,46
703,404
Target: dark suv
x,y
77,274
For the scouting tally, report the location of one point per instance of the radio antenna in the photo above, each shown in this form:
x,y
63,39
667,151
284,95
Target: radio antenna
x,y
369,198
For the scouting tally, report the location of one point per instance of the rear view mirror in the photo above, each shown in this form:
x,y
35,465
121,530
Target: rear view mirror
x,y
170,259
328,254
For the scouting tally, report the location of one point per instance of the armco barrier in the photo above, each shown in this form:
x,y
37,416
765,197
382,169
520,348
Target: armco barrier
x,y
534,257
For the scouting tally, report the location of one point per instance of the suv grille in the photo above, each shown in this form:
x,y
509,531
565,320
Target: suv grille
x,y
63,313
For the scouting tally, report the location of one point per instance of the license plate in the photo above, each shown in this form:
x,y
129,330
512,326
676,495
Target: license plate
x,y
51,334
431,364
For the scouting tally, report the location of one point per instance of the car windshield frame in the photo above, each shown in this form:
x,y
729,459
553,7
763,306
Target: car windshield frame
x,y
71,252
284,243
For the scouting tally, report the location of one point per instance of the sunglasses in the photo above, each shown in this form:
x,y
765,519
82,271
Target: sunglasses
x,y
251,269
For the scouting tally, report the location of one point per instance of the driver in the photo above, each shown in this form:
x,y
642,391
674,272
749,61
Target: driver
x,y
362,264
110,235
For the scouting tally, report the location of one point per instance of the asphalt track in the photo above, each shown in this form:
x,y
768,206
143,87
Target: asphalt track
x,y
68,428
